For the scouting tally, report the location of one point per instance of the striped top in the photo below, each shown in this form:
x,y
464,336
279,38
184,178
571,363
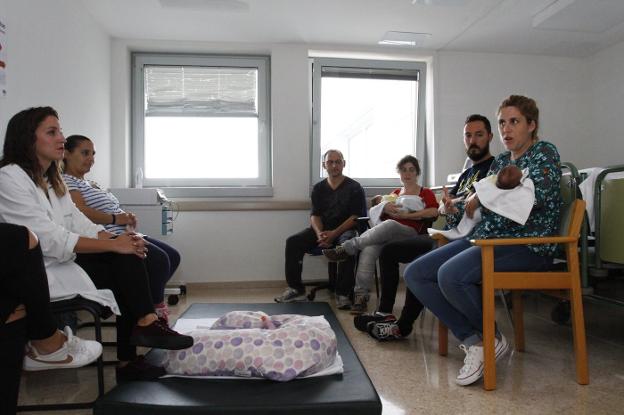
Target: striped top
x,y
97,199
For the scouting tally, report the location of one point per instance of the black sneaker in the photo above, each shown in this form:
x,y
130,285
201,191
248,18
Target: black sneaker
x,y
161,336
360,322
139,370
385,330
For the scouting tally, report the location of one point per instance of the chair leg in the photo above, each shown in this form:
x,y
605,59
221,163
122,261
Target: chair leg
x,y
518,318
442,339
97,324
489,371
376,275
578,328
501,294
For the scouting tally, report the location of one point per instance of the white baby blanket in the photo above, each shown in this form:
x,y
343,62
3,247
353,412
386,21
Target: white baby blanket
x,y
514,204
408,203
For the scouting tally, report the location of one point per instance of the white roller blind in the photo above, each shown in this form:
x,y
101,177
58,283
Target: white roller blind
x,y
201,91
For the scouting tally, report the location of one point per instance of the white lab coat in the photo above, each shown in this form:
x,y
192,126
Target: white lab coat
x,y
58,224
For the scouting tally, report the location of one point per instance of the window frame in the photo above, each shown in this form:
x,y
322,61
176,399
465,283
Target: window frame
x,y
205,187
373,67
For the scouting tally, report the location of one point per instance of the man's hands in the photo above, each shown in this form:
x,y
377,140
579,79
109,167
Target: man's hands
x,y
326,238
449,202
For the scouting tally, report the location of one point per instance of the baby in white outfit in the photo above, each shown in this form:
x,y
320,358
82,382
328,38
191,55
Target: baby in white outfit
x,y
509,193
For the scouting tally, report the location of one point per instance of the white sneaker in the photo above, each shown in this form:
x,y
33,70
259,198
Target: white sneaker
x,y
472,370
75,352
91,349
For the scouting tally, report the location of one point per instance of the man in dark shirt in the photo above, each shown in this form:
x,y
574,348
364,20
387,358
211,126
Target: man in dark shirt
x,y
336,202
382,325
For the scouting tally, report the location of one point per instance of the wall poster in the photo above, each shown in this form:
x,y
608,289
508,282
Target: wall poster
x,y
3,59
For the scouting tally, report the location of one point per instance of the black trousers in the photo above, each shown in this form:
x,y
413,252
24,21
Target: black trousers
x,y
127,277
23,280
296,247
391,256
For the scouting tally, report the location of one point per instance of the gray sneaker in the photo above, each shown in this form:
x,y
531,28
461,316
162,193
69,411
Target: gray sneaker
x,y
291,295
338,254
360,304
343,302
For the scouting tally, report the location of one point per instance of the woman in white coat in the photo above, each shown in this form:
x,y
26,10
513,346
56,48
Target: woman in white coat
x,y
33,194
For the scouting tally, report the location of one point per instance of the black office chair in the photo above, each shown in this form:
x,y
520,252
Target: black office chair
x,y
329,284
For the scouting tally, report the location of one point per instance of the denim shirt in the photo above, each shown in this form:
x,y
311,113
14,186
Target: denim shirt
x,y
542,161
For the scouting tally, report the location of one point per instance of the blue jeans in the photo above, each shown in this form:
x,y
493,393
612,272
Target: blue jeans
x,y
447,281
161,262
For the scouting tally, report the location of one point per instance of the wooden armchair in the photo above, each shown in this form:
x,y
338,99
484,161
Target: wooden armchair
x,y
569,280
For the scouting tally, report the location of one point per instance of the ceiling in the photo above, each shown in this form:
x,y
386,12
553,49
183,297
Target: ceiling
x,y
575,28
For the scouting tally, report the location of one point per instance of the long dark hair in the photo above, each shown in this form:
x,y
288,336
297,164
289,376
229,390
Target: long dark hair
x,y
19,148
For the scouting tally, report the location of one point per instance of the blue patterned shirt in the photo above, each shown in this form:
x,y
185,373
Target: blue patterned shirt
x,y
542,161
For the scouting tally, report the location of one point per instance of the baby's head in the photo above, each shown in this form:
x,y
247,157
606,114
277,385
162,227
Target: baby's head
x,y
508,177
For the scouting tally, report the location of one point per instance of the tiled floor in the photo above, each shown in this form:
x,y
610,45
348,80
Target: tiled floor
x,y
411,378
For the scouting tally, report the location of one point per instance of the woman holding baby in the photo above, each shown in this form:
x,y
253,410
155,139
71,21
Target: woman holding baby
x,y
447,280
396,216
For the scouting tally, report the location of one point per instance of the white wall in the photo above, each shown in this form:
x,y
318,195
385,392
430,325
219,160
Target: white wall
x,y
58,56
604,143
477,83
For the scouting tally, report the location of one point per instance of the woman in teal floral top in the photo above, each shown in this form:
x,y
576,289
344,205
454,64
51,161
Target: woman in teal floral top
x,y
447,280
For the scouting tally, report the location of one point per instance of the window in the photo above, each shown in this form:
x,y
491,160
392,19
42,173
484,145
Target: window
x,y
372,111
201,124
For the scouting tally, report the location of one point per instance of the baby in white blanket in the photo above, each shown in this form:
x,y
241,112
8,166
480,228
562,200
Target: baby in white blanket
x,y
510,193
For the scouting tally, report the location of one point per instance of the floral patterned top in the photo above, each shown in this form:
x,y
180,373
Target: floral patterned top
x,y
542,161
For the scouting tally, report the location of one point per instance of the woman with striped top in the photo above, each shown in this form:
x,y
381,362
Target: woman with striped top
x,y
102,207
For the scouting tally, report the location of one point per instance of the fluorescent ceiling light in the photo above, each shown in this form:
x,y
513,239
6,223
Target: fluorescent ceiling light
x,y
580,16
226,5
441,2
404,39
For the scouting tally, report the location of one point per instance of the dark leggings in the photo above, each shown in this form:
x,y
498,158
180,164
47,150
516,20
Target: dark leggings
x,y
391,256
23,280
161,262
296,247
127,277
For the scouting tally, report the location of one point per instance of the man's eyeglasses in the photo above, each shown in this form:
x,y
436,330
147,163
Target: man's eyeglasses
x,y
334,162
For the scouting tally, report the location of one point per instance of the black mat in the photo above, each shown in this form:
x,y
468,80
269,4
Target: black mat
x,y
349,393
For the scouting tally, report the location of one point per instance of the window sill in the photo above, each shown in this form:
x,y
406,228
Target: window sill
x,y
212,206
191,192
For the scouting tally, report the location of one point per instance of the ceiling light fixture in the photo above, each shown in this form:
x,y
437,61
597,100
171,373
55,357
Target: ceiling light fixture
x,y
212,5
409,39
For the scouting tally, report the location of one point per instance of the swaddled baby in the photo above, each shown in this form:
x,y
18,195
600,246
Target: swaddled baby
x,y
254,344
509,178
405,203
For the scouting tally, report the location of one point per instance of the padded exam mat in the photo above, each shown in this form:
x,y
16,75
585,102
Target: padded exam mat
x,y
349,393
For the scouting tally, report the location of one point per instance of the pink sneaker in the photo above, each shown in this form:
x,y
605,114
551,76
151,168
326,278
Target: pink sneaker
x,y
162,311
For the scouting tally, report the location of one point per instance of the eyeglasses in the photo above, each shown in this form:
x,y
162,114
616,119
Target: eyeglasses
x,y
407,170
334,162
